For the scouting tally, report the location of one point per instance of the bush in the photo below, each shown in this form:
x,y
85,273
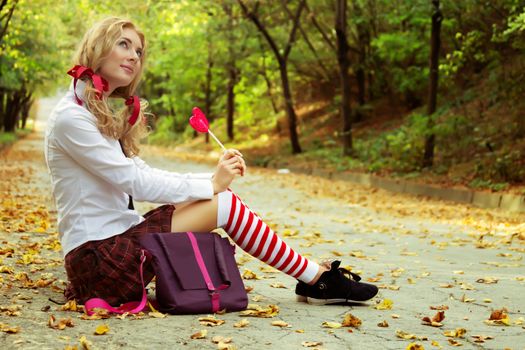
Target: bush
x,y
503,166
164,134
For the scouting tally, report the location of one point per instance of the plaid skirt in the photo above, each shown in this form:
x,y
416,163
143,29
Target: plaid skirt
x,y
109,268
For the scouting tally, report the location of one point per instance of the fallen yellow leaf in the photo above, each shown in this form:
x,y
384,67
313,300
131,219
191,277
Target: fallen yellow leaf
x,y
258,311
454,342
8,329
242,323
102,329
309,344
385,304
383,323
481,338
61,324
249,275
280,324
200,334
219,338
457,333
86,345
487,280
351,321
327,324
210,321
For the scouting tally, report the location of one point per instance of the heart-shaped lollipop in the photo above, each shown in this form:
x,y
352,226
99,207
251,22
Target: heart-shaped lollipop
x,y
199,122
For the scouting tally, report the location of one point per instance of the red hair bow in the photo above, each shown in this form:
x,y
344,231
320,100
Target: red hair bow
x,y
99,83
133,100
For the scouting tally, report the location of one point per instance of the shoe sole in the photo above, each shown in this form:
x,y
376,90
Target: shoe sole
x,y
314,301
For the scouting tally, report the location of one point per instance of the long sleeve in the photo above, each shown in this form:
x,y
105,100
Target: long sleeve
x,y
79,137
142,164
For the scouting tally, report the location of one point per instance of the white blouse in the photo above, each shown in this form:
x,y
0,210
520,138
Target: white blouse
x,y
91,177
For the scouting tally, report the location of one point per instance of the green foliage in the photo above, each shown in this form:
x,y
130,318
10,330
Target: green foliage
x,y
191,51
7,138
488,184
514,31
504,166
164,133
27,55
471,51
400,149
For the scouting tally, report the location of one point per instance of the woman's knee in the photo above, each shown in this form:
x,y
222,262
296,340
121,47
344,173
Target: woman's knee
x,y
198,216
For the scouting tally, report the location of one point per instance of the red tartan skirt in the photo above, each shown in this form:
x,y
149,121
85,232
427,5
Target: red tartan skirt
x,y
109,268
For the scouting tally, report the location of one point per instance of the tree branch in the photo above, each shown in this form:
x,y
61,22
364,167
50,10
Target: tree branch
x,y
4,2
255,19
309,43
4,29
295,24
321,30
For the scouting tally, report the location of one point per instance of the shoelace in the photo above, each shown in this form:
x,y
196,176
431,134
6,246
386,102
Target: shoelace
x,y
351,275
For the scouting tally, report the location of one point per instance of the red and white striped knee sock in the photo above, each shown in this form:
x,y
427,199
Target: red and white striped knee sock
x,y
255,237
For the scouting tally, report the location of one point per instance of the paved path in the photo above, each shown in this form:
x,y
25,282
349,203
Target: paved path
x,y
422,253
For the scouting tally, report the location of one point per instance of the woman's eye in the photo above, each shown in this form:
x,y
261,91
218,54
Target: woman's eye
x,y
123,44
139,53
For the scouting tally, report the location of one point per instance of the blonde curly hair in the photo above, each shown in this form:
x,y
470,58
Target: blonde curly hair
x,y
97,44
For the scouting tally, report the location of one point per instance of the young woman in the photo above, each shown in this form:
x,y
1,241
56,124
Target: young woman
x,y
92,154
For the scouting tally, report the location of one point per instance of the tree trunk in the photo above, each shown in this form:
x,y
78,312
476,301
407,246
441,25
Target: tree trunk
x,y
363,43
344,64
12,111
435,42
232,74
230,103
207,90
269,85
26,107
282,58
3,97
292,117
361,91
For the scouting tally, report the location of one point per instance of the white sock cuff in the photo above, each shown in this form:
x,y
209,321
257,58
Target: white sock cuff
x,y
310,272
223,208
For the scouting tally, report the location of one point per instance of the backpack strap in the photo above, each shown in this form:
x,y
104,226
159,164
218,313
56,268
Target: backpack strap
x,y
131,307
214,292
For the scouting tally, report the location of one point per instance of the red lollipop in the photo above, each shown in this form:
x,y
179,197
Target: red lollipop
x,y
199,122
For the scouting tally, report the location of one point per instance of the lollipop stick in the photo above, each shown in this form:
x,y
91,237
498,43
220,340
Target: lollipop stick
x,y
216,139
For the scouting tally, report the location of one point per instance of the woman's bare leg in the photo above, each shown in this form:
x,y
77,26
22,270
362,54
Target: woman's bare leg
x,y
201,216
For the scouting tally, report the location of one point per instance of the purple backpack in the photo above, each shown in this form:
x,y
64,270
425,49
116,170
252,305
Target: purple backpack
x,y
195,273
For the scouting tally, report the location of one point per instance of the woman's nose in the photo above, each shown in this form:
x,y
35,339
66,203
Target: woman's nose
x,y
134,56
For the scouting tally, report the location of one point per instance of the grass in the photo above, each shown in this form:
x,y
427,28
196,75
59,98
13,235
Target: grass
x,y
8,138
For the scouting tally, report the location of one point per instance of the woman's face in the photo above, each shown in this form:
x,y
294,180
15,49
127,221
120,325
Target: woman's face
x,y
123,63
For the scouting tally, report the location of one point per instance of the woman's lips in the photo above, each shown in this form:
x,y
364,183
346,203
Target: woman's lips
x,y
127,69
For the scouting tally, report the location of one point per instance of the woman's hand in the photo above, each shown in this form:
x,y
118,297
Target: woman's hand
x,y
232,153
230,164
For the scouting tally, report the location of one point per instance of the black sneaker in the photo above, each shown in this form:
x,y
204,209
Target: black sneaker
x,y
335,286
